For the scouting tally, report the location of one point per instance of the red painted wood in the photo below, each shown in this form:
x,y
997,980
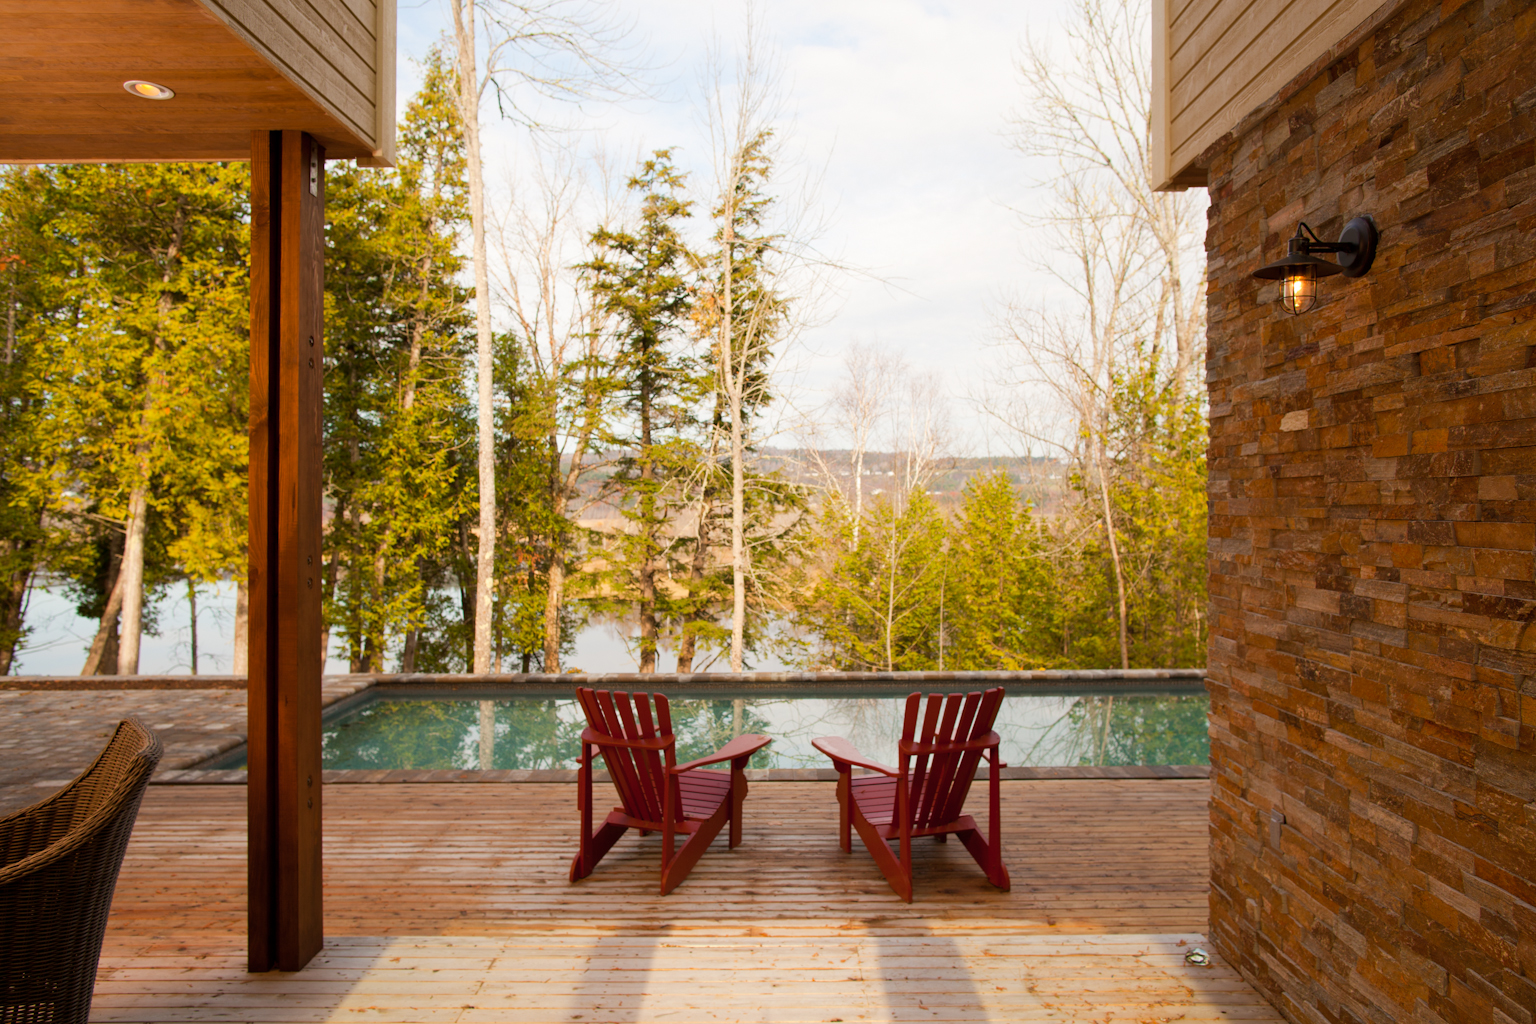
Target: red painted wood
x,y
287,313
656,793
925,795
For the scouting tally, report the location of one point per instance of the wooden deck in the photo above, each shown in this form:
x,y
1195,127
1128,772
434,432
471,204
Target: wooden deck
x,y
450,902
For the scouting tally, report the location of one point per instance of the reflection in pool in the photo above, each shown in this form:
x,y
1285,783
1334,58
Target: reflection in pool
x,y
545,732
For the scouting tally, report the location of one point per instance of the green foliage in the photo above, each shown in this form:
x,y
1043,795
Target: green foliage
x,y
1159,500
1003,608
1011,591
640,278
128,345
531,532
875,605
397,419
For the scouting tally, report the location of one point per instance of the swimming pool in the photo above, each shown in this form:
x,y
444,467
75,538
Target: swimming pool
x,y
431,729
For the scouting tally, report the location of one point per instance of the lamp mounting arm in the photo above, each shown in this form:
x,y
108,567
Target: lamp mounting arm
x,y
1301,244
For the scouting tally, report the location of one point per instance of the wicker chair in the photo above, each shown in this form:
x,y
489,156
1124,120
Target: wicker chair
x,y
58,866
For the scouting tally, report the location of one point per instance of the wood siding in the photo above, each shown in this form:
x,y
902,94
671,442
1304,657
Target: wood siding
x,y
1214,61
332,50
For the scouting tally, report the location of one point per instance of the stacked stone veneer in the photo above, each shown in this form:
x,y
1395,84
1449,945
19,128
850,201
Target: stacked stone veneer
x,y
1373,493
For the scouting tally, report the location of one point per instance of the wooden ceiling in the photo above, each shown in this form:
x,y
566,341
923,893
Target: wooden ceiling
x,y
63,65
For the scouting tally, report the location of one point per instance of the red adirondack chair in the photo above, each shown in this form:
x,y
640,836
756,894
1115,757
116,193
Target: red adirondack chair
x,y
657,793
925,796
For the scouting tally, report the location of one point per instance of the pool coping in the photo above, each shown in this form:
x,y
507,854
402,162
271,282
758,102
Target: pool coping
x,y
342,693
356,776
532,682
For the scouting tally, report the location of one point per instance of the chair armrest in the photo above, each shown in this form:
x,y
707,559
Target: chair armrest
x,y
843,752
744,745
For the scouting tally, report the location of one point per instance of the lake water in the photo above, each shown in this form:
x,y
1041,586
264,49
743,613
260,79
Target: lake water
x,y
59,639
394,731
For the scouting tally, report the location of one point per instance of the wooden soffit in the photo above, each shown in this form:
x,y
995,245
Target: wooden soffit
x,y
236,66
1216,61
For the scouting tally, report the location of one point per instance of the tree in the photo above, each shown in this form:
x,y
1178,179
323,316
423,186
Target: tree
x,y
761,254
1003,608
566,382
551,48
874,605
1124,253
26,494
143,379
396,416
639,276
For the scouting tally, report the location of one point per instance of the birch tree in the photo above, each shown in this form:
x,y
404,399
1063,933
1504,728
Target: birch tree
x,y
569,355
515,51
761,280
1123,260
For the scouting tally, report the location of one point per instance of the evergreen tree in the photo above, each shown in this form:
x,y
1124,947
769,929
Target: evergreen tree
x,y
874,603
639,276
144,273
26,493
398,424
1002,603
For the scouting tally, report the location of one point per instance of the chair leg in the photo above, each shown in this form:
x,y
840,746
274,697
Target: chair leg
x,y
676,869
897,872
989,856
738,799
844,826
594,848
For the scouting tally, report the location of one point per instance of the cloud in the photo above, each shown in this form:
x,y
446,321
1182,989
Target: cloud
x,y
905,106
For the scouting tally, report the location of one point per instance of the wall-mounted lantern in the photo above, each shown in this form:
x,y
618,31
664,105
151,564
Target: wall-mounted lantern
x,y
1299,270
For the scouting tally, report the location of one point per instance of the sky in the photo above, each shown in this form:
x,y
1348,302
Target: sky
x,y
898,109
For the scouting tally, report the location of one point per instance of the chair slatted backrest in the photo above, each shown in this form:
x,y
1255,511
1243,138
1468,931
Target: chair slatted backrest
x,y
941,778
637,773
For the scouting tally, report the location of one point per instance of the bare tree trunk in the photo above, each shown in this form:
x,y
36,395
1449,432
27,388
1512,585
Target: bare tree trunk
x,y
13,601
464,15
735,385
241,663
105,643
1114,554
131,582
192,608
648,610
554,598
408,650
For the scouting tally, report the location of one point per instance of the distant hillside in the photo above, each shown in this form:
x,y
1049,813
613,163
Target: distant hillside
x,y
1041,480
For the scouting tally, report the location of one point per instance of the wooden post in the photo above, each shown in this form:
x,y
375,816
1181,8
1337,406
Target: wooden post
x,y
287,305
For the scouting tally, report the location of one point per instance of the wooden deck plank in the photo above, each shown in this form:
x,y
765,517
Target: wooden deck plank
x,y
493,859
450,903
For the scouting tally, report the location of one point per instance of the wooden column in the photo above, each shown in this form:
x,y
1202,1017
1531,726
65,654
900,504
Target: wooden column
x,y
287,306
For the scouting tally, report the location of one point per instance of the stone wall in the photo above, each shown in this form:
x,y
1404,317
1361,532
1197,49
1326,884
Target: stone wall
x,y
1373,493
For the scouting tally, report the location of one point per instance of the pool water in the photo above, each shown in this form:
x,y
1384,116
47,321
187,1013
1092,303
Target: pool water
x,y
392,730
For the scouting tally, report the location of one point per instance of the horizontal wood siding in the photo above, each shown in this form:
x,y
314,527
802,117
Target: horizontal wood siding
x,y
1216,60
329,48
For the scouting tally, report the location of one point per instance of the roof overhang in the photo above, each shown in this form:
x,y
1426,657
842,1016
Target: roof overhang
x,y
235,68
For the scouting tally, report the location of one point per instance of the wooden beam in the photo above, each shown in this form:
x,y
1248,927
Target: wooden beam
x,y
287,305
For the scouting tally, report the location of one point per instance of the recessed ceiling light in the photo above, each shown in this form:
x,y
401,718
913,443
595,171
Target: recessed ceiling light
x,y
147,90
